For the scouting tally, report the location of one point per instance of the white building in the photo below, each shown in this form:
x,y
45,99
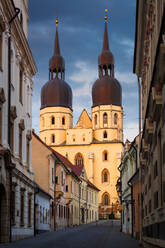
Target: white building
x,y
16,70
42,211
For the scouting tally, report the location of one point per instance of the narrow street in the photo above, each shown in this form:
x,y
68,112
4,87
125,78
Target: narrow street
x,y
102,235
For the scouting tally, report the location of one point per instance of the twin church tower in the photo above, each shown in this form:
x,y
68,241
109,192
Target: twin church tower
x,y
95,142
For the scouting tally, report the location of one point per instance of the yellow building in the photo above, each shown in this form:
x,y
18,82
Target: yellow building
x,y
74,198
95,142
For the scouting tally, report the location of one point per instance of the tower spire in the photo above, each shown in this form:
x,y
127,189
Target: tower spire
x,y
105,59
106,41
57,63
57,45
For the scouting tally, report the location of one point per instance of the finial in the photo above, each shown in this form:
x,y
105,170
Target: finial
x,y
105,17
57,21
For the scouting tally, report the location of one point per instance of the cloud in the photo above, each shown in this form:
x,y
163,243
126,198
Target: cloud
x,y
84,75
130,130
126,78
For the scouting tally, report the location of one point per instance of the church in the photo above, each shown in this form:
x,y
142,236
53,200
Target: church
x,y
95,141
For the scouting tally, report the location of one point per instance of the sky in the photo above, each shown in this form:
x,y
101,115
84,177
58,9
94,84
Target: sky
x,y
81,29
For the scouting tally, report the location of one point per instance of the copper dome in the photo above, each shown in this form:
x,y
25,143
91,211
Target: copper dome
x,y
56,92
106,91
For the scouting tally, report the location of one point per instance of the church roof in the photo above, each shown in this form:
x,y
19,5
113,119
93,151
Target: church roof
x,y
84,120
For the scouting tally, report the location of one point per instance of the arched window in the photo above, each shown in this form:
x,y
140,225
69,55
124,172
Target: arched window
x,y
105,118
95,119
79,159
105,176
106,200
53,120
105,156
53,138
115,118
43,122
105,135
63,120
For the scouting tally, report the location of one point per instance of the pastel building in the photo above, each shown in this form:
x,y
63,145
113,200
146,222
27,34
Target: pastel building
x,y
95,142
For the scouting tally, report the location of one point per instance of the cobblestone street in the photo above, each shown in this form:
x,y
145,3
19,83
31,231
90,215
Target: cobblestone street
x,y
104,235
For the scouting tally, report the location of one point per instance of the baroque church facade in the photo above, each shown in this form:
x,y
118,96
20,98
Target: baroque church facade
x,y
95,142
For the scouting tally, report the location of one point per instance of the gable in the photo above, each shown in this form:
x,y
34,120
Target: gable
x,y
84,120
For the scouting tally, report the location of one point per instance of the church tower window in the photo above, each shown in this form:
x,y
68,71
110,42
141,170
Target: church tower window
x,y
105,176
95,119
105,118
63,120
53,120
53,138
106,200
105,155
105,135
115,118
79,159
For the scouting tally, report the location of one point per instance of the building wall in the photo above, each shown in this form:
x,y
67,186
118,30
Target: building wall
x,y
94,165
42,212
136,209
21,63
150,32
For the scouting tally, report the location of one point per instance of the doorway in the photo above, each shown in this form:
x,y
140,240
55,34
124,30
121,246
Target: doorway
x,y
3,216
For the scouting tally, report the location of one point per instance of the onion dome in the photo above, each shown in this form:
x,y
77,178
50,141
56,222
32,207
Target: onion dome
x,y
106,90
56,92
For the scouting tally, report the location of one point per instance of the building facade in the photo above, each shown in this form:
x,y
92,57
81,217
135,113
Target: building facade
x,y
149,66
42,222
95,142
73,195
16,85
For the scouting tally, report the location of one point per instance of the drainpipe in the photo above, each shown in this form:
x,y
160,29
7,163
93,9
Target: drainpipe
x,y
9,106
79,199
140,168
132,213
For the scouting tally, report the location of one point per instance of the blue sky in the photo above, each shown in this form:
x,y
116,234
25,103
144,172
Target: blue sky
x,y
81,28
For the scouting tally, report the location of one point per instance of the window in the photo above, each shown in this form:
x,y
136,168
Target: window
x,y
28,152
29,209
11,135
83,137
66,188
73,137
105,118
13,206
155,170
22,207
1,50
106,200
105,176
20,143
63,120
155,200
42,122
52,175
53,120
115,118
21,19
0,124
62,178
95,119
79,159
105,156
53,138
21,85
45,139
105,135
